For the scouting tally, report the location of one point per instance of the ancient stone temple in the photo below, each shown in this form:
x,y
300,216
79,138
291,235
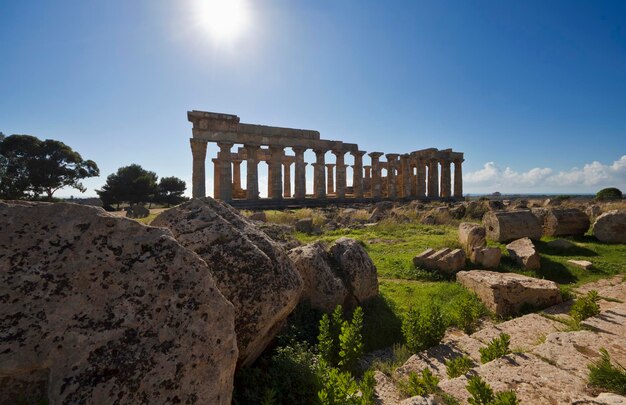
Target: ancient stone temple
x,y
421,174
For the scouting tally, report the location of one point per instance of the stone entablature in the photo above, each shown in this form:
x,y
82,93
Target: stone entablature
x,y
416,175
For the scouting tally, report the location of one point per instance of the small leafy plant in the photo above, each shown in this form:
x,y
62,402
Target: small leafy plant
x,y
603,374
423,328
340,343
458,366
469,313
482,394
422,384
497,348
585,307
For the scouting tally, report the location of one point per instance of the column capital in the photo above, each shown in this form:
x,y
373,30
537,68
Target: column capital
x,y
330,165
375,155
458,161
358,153
338,152
392,156
320,151
225,145
299,149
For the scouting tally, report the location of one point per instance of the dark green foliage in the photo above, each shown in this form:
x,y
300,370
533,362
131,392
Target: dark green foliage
x,y
610,193
469,312
170,191
302,325
458,366
328,338
424,327
382,327
351,342
585,307
340,388
422,384
131,184
497,348
31,168
606,376
482,394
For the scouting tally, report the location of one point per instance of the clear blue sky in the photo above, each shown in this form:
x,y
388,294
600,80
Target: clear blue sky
x,y
534,92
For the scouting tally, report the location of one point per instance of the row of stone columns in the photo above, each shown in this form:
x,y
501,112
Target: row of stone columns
x,y
406,175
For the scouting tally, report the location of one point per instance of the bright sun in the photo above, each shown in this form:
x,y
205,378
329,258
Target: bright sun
x,y
224,20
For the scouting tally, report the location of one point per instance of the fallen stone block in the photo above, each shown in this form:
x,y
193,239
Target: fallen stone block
x,y
582,264
486,257
419,260
610,227
452,262
504,226
565,222
524,253
471,236
506,293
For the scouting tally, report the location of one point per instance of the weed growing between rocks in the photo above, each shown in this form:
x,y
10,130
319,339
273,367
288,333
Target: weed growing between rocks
x,y
400,354
606,376
585,307
423,327
470,310
458,366
422,384
482,394
498,347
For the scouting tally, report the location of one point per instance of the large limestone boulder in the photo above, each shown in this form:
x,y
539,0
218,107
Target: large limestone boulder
x,y
99,309
488,257
471,236
610,227
506,293
504,226
565,222
523,251
358,271
250,269
322,287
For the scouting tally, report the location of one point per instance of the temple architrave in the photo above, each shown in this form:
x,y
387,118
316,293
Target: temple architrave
x,y
423,174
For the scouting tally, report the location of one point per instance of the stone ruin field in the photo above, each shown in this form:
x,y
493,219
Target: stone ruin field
x,y
197,303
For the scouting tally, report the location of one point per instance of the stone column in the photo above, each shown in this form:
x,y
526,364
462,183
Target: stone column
x,y
458,178
270,171
226,171
276,179
318,173
198,176
287,179
391,174
357,173
375,173
421,177
252,176
446,179
216,176
405,164
330,178
433,178
341,173
300,172
236,175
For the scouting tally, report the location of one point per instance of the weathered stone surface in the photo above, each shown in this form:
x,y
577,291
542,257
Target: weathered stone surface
x,y
386,390
419,260
250,269
322,287
593,211
281,234
418,400
100,309
504,226
136,211
506,293
610,227
534,381
582,264
471,236
431,261
565,222
305,225
486,257
526,331
452,262
433,358
610,321
524,253
258,216
574,351
359,272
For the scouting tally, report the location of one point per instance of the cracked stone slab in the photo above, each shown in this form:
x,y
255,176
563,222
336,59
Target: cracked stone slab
x,y
611,321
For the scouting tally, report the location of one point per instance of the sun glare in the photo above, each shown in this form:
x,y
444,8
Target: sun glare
x,y
224,20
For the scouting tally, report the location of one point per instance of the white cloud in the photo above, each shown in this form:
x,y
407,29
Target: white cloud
x,y
590,178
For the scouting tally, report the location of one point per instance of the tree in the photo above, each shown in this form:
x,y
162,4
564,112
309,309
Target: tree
x,y
30,167
170,191
130,184
610,193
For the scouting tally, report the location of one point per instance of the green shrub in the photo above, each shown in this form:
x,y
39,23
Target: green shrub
x,y
585,307
421,384
469,312
497,348
458,366
603,374
610,193
340,388
482,394
400,355
423,328
351,342
328,338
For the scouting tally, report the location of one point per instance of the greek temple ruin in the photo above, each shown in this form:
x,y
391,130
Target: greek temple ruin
x,y
423,174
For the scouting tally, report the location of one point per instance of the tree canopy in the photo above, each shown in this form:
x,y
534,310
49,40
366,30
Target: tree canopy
x,y
610,193
30,167
171,191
